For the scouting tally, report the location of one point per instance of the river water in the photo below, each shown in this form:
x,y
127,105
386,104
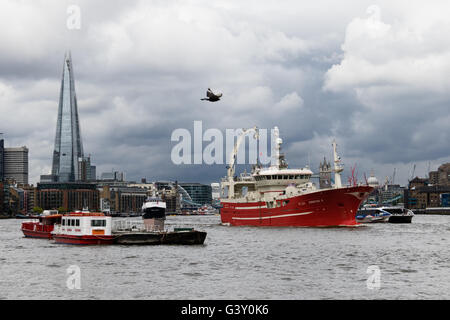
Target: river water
x,y
238,263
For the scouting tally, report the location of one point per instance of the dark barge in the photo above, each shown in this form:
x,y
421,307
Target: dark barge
x,y
180,237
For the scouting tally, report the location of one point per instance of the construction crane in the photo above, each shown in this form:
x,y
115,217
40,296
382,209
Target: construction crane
x,y
393,176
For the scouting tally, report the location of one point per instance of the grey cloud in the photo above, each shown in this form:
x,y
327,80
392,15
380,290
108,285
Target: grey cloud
x,y
141,68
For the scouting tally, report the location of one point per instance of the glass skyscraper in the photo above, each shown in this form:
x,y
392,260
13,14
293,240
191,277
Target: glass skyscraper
x,y
2,159
68,145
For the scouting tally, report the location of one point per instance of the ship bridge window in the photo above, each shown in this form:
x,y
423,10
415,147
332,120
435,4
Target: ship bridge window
x,y
98,223
297,176
269,177
280,177
77,222
291,177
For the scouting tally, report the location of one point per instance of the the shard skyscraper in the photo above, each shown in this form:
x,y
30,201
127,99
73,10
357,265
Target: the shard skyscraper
x,y
68,145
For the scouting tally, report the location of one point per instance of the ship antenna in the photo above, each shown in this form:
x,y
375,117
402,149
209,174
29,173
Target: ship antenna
x,y
337,167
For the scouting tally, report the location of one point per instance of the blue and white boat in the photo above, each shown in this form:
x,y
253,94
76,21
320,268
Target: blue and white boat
x,y
371,214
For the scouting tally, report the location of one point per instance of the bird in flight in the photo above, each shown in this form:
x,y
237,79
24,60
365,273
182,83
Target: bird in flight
x,y
211,96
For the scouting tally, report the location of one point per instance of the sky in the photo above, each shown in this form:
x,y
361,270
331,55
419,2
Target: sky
x,y
371,74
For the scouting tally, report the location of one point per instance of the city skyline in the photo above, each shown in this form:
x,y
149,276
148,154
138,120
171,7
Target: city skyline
x,y
142,69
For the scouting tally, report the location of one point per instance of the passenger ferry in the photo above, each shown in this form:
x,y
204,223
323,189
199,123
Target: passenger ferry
x,y
372,214
399,214
84,228
41,226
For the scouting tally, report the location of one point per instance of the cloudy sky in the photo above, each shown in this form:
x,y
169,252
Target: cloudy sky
x,y
371,74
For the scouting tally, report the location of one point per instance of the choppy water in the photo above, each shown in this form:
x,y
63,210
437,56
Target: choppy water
x,y
238,263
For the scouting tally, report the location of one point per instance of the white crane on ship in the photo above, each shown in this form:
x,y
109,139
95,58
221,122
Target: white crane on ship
x,y
232,162
338,168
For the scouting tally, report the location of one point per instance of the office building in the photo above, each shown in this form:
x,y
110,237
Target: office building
x,y
71,196
199,193
122,199
112,176
15,164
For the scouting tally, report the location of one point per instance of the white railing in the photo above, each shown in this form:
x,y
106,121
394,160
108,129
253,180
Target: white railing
x,y
133,225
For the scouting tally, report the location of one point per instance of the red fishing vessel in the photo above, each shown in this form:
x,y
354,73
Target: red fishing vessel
x,y
278,196
41,226
84,228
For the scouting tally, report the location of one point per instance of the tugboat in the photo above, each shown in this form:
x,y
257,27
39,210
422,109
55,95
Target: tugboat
x,y
42,226
281,197
84,228
150,230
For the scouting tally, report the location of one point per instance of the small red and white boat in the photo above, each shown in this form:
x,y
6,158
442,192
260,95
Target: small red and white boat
x,y
84,228
41,226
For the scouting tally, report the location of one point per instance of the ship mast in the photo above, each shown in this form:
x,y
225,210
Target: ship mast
x,y
279,159
338,168
232,163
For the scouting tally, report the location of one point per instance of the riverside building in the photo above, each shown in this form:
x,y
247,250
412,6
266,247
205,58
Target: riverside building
x,y
15,164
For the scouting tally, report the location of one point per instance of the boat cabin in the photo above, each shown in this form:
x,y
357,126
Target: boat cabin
x,y
84,223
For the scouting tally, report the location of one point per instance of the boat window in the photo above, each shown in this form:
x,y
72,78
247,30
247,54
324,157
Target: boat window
x,y
63,222
269,177
98,223
77,222
291,177
280,177
285,202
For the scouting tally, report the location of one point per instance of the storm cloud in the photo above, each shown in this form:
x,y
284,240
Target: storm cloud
x,y
370,74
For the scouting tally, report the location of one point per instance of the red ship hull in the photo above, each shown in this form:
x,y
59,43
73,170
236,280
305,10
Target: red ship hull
x,y
322,208
37,230
72,239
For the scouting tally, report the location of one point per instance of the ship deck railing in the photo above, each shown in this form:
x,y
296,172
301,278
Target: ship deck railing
x,y
133,225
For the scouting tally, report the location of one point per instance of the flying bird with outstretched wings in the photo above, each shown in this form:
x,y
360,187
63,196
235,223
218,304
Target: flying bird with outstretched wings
x,y
212,97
